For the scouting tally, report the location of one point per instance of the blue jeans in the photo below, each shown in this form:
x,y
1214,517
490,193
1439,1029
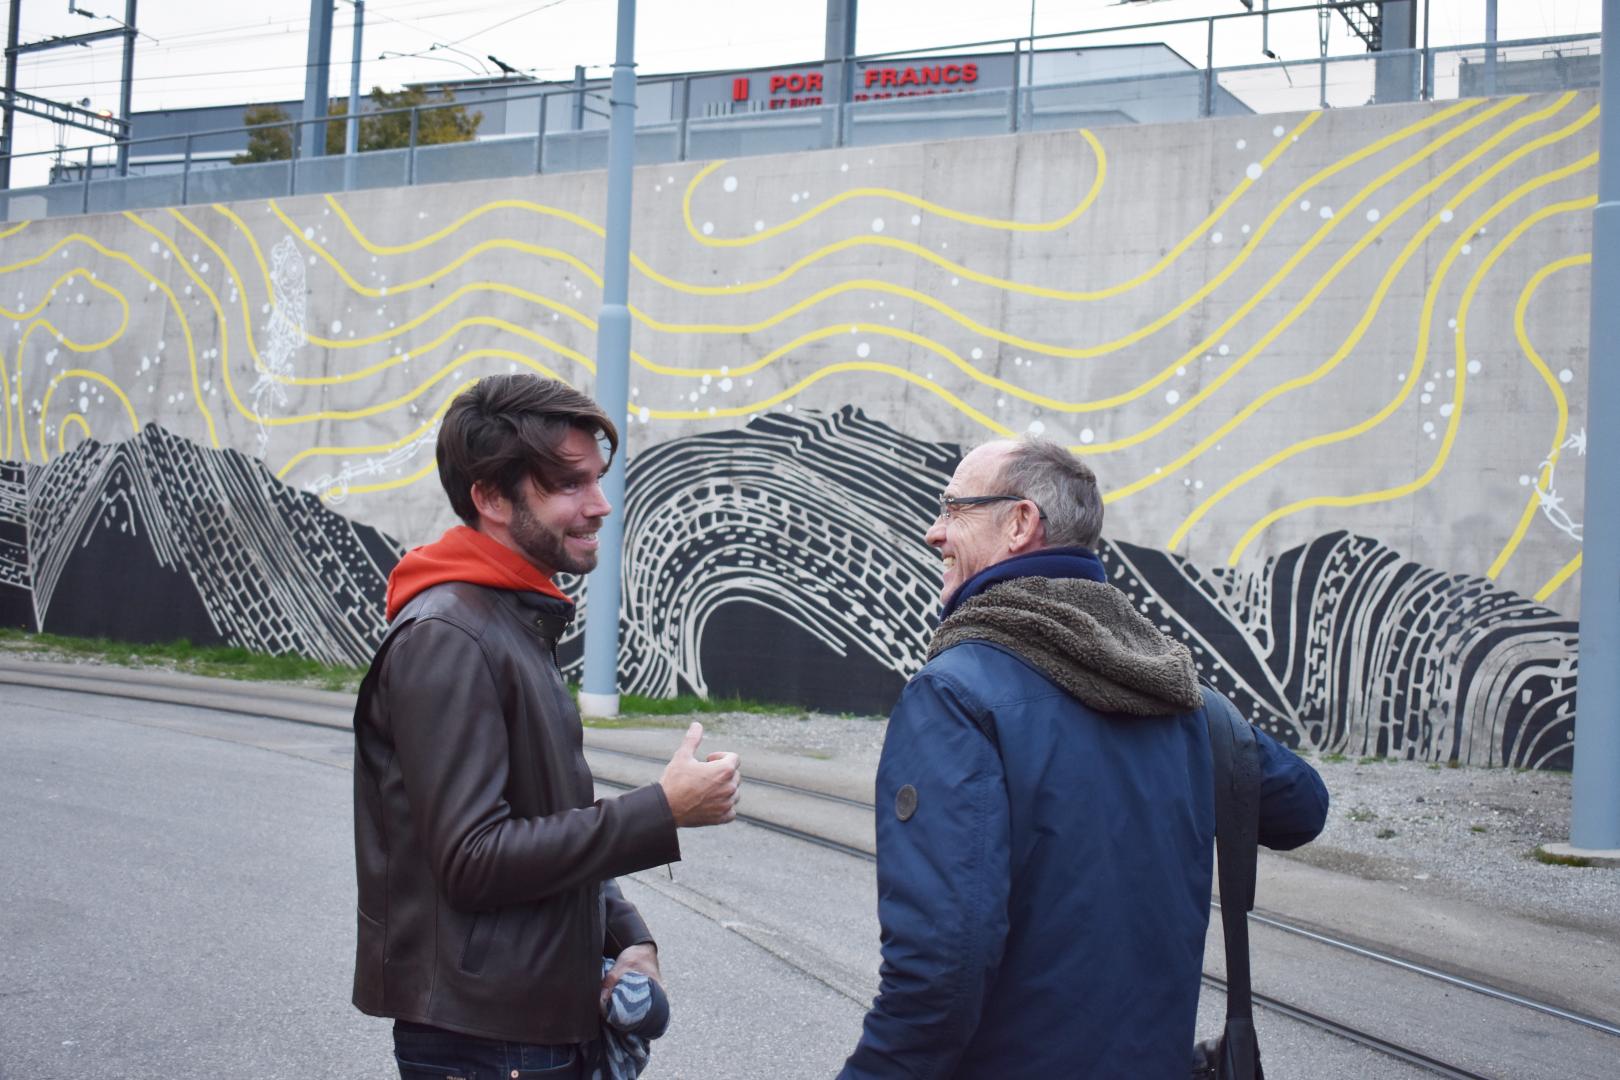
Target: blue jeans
x,y
425,1053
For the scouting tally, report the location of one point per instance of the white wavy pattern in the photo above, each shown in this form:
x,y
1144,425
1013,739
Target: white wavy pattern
x,y
275,571
1339,645
815,516
1344,645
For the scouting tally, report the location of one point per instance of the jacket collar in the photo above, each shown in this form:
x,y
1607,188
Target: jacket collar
x,y
1057,562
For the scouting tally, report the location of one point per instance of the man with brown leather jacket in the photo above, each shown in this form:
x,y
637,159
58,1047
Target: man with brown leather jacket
x,y
485,864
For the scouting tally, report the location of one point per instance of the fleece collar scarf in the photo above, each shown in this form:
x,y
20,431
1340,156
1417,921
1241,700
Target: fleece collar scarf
x,y
1058,562
1086,637
464,554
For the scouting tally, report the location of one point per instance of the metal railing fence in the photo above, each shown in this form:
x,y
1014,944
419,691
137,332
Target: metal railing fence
x,y
666,133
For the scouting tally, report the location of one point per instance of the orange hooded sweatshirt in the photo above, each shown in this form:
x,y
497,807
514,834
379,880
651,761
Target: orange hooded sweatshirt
x,y
464,554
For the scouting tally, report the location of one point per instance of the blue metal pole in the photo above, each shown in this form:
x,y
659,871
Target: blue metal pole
x,y
599,696
1595,824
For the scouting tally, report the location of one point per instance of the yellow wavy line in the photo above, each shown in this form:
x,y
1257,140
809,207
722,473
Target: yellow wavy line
x,y
1400,490
1362,325
1039,347
61,432
1559,400
891,243
15,229
174,303
1207,390
80,373
329,451
62,339
19,316
389,485
913,201
1555,582
258,255
693,414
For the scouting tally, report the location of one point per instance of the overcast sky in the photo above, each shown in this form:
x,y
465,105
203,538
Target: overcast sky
x,y
208,52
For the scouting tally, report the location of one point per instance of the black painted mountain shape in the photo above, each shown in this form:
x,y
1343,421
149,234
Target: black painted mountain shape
x,y
158,538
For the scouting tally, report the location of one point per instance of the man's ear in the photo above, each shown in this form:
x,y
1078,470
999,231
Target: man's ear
x,y
1028,531
493,507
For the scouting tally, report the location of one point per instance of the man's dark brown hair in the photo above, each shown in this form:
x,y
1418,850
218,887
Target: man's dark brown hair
x,y
506,427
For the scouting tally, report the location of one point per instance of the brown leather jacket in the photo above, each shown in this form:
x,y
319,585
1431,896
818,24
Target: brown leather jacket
x,y
486,900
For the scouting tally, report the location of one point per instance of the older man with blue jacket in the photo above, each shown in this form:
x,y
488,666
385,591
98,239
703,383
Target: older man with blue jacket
x,y
1045,808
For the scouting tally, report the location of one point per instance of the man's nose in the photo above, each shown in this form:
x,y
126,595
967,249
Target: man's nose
x,y
935,536
598,506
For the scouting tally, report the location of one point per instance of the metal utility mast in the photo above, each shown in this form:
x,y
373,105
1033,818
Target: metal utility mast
x,y
60,112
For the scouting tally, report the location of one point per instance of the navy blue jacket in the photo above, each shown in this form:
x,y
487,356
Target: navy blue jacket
x,y
1044,905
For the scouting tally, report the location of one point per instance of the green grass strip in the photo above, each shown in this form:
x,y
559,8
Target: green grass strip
x,y
234,662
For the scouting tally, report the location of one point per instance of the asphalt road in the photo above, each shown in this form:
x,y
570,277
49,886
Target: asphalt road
x,y
177,900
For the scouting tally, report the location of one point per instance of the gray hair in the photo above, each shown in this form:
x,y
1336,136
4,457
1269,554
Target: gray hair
x,y
1062,485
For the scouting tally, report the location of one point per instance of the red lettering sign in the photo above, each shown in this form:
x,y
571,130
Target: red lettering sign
x,y
739,89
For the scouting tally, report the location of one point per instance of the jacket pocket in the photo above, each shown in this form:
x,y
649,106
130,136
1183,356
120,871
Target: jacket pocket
x,y
479,935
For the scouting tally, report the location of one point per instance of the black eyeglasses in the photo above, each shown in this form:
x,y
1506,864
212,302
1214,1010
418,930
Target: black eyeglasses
x,y
951,504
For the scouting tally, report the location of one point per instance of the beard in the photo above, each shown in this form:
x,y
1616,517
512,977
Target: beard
x,y
545,546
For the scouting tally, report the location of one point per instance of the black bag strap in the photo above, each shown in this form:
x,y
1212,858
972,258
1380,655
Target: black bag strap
x,y
1237,836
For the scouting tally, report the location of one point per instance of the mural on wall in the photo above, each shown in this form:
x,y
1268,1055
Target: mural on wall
x,y
1338,357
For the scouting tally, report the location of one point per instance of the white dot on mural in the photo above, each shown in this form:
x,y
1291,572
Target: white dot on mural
x,y
1245,230
337,326
1326,212
877,224
788,407
1473,367
1447,408
1214,238
1524,481
1198,485
1224,349
708,228
155,247
730,184
1242,143
794,197
1277,132
1181,371
1446,214
977,353
692,397
956,281
711,410
1173,396
707,379
1373,215
1429,386
203,269
1428,426
1451,373
1036,427
759,226
1426,398
1304,204
1566,375
84,404
725,384
1001,402
863,350
644,414
1451,324
1467,249
844,167
1254,170
309,233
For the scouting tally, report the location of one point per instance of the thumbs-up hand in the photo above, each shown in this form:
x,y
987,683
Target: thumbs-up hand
x,y
701,792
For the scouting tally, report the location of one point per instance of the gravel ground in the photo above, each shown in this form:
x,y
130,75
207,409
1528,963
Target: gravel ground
x,y
1469,833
